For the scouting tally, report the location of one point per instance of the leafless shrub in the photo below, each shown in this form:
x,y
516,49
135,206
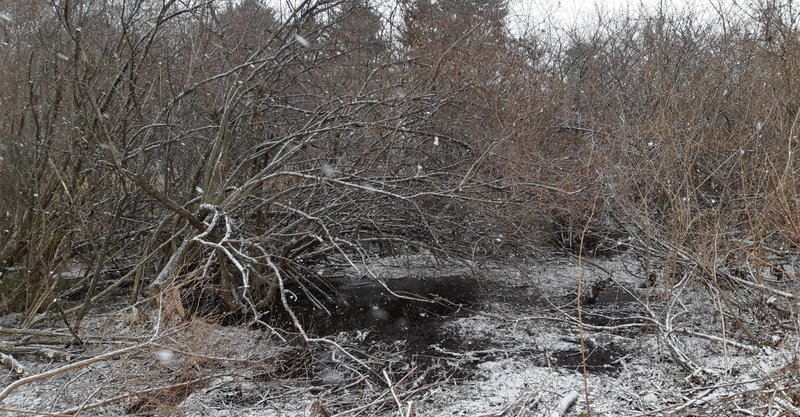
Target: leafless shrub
x,y
224,148
215,146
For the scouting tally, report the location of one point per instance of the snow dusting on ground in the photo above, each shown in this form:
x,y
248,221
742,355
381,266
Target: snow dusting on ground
x,y
517,348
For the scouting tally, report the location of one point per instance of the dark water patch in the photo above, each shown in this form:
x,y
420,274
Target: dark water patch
x,y
410,315
614,294
405,308
599,359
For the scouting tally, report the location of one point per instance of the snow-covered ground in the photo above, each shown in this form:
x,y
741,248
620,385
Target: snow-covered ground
x,y
512,346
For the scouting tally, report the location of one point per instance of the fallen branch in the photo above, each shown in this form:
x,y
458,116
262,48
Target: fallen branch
x,y
53,372
31,412
719,340
394,394
9,362
565,404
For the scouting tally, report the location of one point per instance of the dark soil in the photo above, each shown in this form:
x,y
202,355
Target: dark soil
x,y
414,310
408,304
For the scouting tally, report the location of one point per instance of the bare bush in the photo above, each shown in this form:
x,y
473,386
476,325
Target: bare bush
x,y
216,147
225,148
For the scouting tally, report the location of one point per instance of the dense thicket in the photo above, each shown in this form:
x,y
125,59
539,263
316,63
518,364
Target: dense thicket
x,y
224,148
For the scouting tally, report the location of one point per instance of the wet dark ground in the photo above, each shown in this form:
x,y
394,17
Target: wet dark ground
x,y
401,308
416,310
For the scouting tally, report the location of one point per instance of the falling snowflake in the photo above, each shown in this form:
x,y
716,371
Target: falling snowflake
x,y
301,40
165,356
328,171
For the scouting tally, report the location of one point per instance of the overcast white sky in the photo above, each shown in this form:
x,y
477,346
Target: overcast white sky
x,y
581,11
570,12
